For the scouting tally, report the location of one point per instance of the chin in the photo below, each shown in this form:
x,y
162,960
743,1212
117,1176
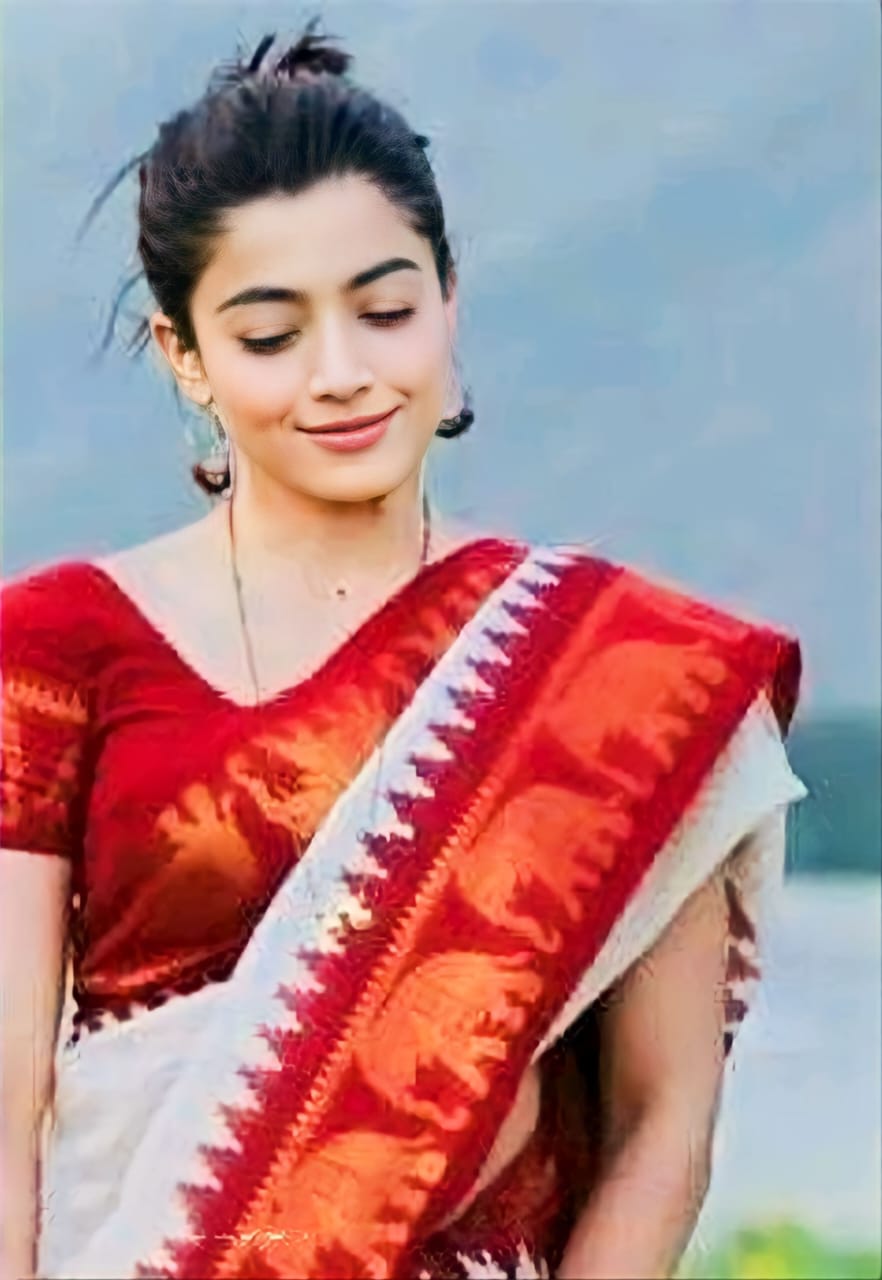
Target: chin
x,y
363,482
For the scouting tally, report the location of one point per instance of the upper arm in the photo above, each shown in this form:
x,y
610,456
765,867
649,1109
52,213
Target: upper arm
x,y
43,734
668,1021
34,897
662,1023
34,894
44,730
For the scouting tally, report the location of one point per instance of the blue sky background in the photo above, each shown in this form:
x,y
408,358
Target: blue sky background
x,y
667,222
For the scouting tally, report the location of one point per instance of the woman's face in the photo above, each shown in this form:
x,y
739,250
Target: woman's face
x,y
291,340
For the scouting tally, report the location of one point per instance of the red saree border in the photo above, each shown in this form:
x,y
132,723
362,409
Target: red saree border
x,y
757,658
652,772
283,1103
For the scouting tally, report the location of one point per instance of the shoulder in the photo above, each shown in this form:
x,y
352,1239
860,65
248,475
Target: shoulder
x,y
658,610
51,619
162,555
54,631
662,595
47,596
450,536
65,614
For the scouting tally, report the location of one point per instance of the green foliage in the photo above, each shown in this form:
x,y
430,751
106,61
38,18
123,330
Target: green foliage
x,y
780,1250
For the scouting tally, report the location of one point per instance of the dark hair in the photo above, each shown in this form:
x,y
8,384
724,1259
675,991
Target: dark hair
x,y
265,126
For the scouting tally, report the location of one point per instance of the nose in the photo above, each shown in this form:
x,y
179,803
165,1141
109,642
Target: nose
x,y
338,369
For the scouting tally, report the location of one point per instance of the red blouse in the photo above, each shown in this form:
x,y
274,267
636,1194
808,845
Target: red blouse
x,y
180,810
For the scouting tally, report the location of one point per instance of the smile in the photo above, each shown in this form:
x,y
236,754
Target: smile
x,y
359,433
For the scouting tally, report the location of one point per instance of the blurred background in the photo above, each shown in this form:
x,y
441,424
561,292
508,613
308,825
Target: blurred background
x,y
667,222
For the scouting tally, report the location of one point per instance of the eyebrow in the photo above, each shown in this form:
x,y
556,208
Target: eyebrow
x,y
271,293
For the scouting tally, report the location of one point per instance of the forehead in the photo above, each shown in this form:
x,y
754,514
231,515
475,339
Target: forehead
x,y
314,241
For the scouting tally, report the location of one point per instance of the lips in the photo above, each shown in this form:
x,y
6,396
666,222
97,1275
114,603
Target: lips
x,y
352,424
356,434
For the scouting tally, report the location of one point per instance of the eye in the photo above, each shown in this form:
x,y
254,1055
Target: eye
x,y
383,318
266,346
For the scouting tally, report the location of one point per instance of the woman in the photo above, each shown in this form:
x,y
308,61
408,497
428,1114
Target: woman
x,y
412,876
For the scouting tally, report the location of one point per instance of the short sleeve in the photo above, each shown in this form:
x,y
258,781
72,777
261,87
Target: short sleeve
x,y
45,716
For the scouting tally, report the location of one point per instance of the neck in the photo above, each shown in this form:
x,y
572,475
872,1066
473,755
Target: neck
x,y
280,530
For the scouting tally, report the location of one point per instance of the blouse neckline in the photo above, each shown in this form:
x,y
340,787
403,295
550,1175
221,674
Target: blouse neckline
x,y
367,636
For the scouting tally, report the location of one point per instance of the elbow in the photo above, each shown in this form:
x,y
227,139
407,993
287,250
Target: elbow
x,y
678,1136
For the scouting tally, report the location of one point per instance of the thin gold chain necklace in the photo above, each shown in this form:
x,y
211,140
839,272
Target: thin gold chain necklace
x,y
341,592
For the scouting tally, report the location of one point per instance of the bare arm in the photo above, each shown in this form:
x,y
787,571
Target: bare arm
x,y
34,890
661,1077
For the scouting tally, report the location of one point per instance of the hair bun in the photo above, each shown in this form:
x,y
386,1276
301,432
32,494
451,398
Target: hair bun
x,y
312,55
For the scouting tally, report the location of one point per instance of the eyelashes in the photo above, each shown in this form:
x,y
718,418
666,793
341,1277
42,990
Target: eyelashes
x,y
389,317
266,346
381,319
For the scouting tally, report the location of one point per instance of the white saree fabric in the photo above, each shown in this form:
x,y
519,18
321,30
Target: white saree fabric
x,y
134,1100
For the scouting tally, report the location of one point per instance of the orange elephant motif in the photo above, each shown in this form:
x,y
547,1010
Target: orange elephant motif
x,y
202,828
357,1193
548,834
295,772
641,689
457,1010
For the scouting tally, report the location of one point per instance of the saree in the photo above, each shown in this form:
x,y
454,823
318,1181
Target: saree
x,y
587,752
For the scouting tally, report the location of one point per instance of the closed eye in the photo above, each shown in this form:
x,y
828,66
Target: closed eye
x,y
266,344
389,317
382,319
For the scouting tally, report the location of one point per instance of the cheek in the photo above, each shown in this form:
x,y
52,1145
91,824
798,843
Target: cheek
x,y
414,359
256,387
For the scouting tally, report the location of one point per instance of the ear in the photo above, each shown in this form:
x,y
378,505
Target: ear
x,y
185,365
